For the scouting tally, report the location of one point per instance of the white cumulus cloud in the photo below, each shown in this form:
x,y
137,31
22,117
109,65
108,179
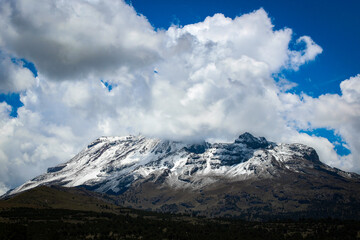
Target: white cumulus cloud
x,y
14,77
309,53
334,111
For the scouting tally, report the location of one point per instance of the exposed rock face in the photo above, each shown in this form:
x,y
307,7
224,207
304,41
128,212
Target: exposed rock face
x,y
252,142
250,178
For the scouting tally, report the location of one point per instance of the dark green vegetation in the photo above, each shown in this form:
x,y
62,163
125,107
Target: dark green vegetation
x,y
28,223
71,213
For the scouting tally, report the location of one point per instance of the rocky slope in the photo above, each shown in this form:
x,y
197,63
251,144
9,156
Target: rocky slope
x,y
250,178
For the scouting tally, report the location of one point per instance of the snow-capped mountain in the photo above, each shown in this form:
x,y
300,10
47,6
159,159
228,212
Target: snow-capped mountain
x,y
112,164
212,179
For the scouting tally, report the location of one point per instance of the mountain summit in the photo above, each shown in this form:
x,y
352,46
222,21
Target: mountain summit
x,y
249,176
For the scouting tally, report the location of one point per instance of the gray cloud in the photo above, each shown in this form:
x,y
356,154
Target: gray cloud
x,y
70,40
13,76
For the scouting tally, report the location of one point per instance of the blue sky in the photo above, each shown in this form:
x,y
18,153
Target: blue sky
x,y
334,25
71,71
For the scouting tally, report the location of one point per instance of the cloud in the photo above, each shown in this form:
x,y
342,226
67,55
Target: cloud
x,y
68,40
351,89
209,80
339,112
14,77
309,53
3,189
249,35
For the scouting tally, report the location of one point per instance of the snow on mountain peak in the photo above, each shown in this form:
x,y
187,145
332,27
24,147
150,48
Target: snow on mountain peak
x,y
113,164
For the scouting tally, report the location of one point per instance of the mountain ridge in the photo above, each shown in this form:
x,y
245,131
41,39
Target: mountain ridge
x,y
250,176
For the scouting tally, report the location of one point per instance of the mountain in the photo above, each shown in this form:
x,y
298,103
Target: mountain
x,y
56,197
251,178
